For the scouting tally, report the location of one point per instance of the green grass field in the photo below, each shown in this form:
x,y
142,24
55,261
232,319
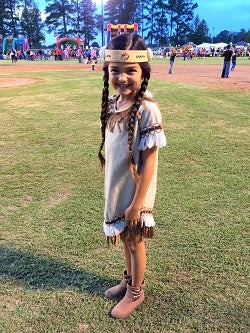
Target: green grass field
x,y
54,261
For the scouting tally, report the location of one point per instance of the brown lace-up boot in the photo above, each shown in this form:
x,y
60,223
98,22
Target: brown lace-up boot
x,y
119,290
133,298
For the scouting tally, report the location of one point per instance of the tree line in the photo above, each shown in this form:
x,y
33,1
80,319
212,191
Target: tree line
x,y
161,23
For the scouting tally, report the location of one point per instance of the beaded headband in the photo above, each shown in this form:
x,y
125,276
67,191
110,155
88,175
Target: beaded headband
x,y
129,56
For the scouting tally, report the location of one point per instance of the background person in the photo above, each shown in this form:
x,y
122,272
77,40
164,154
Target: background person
x,y
226,65
171,61
234,59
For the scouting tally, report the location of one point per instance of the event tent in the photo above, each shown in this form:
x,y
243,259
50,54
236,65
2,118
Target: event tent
x,y
212,45
241,43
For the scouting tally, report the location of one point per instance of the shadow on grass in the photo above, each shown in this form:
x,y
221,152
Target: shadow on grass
x,y
37,272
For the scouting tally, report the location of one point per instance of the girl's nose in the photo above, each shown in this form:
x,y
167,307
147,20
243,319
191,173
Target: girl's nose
x,y
122,77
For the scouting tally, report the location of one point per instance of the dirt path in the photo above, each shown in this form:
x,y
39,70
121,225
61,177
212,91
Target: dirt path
x,y
205,75
196,75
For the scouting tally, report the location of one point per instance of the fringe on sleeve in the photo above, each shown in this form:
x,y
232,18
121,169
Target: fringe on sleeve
x,y
152,136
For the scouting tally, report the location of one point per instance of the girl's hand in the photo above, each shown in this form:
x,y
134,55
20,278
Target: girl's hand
x,y
132,217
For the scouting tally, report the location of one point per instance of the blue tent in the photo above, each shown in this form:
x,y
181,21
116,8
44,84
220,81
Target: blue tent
x,y
241,43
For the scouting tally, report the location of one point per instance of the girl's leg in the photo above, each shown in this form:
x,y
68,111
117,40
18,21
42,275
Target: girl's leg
x,y
137,252
120,289
127,256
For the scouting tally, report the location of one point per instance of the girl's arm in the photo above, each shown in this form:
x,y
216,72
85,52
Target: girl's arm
x,y
132,213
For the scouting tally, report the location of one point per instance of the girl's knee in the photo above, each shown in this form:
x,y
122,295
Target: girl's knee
x,y
134,244
132,236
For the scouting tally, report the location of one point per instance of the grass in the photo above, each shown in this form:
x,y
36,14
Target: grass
x,y
54,263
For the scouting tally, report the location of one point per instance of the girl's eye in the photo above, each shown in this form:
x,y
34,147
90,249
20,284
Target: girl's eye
x,y
129,71
114,70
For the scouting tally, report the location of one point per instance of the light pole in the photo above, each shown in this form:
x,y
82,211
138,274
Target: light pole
x,y
213,36
102,25
100,3
142,18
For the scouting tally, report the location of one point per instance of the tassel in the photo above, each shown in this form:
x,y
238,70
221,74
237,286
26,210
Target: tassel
x,y
114,228
114,240
147,232
115,119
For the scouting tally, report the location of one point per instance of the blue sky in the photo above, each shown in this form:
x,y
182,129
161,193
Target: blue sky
x,y
231,15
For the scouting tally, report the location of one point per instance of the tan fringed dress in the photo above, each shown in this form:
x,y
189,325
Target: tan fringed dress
x,y
119,182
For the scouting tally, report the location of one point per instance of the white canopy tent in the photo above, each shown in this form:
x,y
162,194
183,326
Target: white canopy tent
x,y
220,45
210,45
204,46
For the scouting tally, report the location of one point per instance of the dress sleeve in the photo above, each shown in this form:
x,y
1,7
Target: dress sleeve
x,y
150,124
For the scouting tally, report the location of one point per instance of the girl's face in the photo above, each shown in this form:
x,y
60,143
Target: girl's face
x,y
125,78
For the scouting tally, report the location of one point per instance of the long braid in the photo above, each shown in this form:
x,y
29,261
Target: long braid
x,y
124,42
131,126
103,116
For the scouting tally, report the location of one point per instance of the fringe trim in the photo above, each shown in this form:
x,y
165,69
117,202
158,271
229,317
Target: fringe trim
x,y
152,136
116,118
114,228
147,232
115,240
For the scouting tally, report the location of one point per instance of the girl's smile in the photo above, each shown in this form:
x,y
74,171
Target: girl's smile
x,y
125,78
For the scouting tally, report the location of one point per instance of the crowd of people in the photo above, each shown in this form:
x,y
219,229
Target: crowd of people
x,y
68,52
230,55
29,54
78,53
192,51
90,55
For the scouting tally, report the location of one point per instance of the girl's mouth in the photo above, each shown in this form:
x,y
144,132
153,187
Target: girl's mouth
x,y
123,86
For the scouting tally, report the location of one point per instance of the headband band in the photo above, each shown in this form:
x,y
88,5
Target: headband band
x,y
129,56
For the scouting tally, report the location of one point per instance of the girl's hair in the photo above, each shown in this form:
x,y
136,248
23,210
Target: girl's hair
x,y
124,42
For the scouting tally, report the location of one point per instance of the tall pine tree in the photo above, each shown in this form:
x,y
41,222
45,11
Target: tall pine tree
x,y
181,14
58,16
31,24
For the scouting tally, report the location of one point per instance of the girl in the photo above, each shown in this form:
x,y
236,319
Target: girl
x,y
131,135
